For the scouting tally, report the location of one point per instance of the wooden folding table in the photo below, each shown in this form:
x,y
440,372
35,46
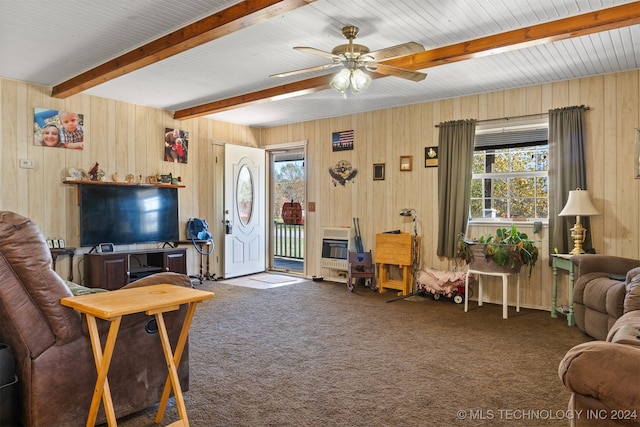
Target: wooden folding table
x,y
152,300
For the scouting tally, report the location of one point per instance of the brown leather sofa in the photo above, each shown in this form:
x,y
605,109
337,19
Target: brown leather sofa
x,y
604,376
54,359
599,291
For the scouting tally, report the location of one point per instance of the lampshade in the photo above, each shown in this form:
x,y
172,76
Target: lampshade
x,y
579,204
357,79
407,212
340,81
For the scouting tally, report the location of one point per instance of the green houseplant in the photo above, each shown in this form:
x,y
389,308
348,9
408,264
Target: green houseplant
x,y
507,251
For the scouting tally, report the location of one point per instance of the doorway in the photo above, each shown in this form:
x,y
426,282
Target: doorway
x,y
244,210
287,189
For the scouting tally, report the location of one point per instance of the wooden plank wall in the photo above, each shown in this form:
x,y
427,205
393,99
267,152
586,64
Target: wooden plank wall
x,y
127,138
383,136
122,138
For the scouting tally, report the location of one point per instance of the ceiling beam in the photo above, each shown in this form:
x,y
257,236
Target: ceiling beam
x,y
562,29
220,24
575,26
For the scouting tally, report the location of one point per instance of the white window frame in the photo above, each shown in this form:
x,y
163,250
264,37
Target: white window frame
x,y
504,128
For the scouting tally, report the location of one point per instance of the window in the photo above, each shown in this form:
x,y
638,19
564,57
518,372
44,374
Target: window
x,y
509,178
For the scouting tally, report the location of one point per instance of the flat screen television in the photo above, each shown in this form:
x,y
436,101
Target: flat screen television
x,y
122,214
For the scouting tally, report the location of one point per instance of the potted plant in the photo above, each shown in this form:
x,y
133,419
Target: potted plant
x,y
507,251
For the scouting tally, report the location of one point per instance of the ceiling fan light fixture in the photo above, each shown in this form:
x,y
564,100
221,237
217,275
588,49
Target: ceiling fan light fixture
x,y
359,80
341,81
358,62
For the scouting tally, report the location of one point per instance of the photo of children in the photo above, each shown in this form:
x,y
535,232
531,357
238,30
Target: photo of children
x,y
53,128
176,145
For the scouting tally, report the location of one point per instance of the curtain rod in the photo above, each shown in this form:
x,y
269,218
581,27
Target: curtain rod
x,y
526,116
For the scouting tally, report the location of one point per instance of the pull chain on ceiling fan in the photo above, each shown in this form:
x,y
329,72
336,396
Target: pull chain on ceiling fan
x,y
355,59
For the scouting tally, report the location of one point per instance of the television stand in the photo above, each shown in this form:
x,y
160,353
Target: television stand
x,y
113,270
140,272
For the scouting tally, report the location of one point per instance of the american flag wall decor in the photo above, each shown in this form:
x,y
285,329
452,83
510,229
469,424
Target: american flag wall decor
x,y
342,141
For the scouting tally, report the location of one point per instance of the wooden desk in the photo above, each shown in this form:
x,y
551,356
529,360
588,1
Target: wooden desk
x,y
111,306
563,262
55,253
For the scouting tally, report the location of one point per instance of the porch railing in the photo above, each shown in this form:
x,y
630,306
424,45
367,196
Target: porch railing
x,y
288,241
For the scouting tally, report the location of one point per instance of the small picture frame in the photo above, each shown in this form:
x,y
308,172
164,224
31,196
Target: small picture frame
x,y
636,159
378,171
406,163
152,179
431,157
56,244
61,243
50,243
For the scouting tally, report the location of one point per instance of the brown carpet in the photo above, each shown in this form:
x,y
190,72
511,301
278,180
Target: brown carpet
x,y
313,354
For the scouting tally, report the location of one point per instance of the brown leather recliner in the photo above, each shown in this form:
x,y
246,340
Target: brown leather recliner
x,y
54,359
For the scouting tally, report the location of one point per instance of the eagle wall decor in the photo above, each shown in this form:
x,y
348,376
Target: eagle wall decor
x,y
342,172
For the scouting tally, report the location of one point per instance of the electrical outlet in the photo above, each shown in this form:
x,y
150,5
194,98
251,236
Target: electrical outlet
x,y
26,164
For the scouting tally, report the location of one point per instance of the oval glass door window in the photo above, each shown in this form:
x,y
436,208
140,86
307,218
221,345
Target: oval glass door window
x,y
244,195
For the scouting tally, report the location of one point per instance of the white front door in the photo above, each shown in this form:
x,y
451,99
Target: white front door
x,y
244,210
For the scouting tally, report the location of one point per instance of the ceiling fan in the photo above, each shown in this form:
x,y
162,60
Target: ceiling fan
x,y
354,58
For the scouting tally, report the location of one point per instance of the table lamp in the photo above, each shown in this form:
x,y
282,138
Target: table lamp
x,y
579,204
407,212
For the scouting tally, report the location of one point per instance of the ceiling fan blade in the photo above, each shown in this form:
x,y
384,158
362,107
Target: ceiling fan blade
x,y
319,52
308,70
389,70
395,51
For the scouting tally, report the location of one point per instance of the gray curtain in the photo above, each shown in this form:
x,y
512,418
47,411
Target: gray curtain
x,y
567,171
455,152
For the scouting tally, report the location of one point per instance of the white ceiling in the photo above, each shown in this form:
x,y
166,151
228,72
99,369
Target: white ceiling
x,y
47,43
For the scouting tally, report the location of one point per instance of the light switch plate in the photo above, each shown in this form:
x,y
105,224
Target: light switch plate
x,y
26,164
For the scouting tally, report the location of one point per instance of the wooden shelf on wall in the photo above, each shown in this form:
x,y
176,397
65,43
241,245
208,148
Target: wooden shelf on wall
x,y
124,184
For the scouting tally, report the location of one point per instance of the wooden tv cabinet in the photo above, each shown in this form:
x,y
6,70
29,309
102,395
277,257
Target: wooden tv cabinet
x,y
113,270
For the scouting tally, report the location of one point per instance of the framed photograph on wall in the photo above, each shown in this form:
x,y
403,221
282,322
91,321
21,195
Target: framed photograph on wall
x,y
406,163
378,171
60,129
176,145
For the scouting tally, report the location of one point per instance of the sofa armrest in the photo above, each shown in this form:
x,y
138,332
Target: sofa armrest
x,y
590,263
632,298
606,371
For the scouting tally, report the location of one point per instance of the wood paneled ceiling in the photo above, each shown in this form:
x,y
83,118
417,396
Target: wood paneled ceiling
x,y
214,58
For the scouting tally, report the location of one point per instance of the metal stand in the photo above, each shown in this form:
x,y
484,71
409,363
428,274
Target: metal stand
x,y
199,246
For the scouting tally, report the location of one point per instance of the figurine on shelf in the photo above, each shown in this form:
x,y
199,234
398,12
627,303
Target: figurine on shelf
x,y
93,172
115,177
73,174
129,178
